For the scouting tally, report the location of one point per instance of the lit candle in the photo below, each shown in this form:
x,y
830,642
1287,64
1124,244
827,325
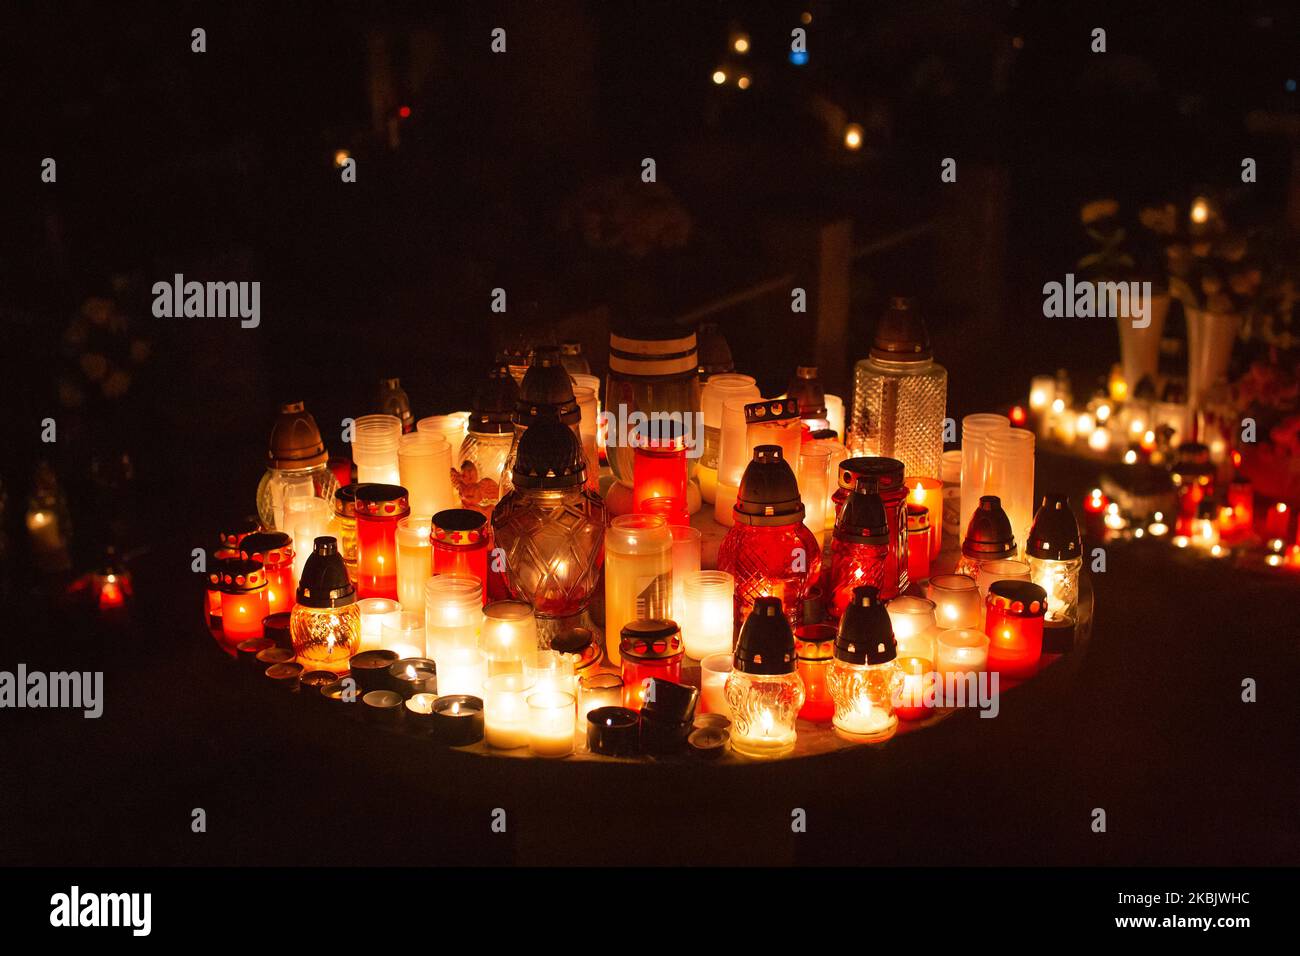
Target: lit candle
x,y
1042,389
375,439
918,543
552,672
764,690
378,508
243,599
275,550
370,669
638,574
686,561
413,675
457,720
865,678
913,623
550,724
1014,626
509,637
613,732
375,613
957,600
414,562
928,492
424,465
962,650
403,632
1277,522
814,648
707,613
649,648
453,616
599,690
814,484
659,470
918,688
305,519
1009,569
714,671
505,698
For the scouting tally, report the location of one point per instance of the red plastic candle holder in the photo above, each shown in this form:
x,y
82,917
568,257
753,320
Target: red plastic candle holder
x,y
649,648
378,509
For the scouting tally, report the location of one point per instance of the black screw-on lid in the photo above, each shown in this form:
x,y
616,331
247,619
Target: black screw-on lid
x,y
495,403
550,457
989,535
1023,598
713,350
1054,535
901,335
766,643
769,491
546,393
650,639
888,472
325,581
806,389
866,635
862,520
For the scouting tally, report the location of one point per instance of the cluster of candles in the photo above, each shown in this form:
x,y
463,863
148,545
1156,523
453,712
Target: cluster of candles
x,y
454,577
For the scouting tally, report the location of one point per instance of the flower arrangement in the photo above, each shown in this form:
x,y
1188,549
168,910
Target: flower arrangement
x,y
1127,247
1269,393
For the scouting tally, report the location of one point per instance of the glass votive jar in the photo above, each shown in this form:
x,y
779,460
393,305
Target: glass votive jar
x,y
686,561
764,690
707,613
638,574
508,639
378,508
659,470
213,591
579,644
714,671
451,426
343,526
325,623
551,723
1014,625
425,468
461,542
913,621
551,672
505,716
928,493
918,689
374,449
814,485
956,600
918,543
453,617
599,690
962,650
375,613
243,599
414,561
775,422
403,632
1003,569
275,550
649,648
814,648
305,520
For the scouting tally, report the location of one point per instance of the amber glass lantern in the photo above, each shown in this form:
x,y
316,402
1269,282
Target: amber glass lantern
x,y
659,472
764,690
378,509
243,599
275,550
814,648
325,625
1014,625
859,548
297,465
769,550
551,529
649,648
865,679
461,543
988,537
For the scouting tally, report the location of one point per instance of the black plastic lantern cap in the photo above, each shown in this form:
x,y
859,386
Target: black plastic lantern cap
x,y
866,635
989,535
901,335
495,403
1054,535
546,393
766,644
862,520
713,350
325,581
769,492
550,457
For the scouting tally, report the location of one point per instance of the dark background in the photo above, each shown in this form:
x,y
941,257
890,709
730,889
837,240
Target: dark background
x,y
220,166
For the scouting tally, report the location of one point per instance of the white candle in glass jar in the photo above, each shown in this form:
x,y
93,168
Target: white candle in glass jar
x,y
962,649
414,561
708,617
509,636
505,711
714,671
551,723
453,615
913,621
375,614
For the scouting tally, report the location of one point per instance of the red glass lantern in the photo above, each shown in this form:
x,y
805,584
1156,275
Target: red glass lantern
x,y
461,543
769,550
649,648
814,649
659,472
1014,625
1193,478
275,550
379,508
243,599
1237,518
918,543
859,550
888,475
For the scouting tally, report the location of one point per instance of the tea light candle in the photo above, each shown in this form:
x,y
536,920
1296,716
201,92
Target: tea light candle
x,y
957,600
419,711
708,742
707,613
505,700
962,649
714,671
312,683
550,724
249,649
457,720
918,687
403,633
509,637
370,669
275,627
384,706
285,676
928,493
413,675
274,655
913,621
613,732
375,614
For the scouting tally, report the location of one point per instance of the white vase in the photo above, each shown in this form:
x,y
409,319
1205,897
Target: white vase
x,y
1210,336
1139,348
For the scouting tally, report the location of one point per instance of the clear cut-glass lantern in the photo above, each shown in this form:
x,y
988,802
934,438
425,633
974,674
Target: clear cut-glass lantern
x,y
1054,552
297,465
865,679
764,690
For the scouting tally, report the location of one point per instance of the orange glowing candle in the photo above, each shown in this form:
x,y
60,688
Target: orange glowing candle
x,y
275,550
243,599
1014,625
918,687
928,493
